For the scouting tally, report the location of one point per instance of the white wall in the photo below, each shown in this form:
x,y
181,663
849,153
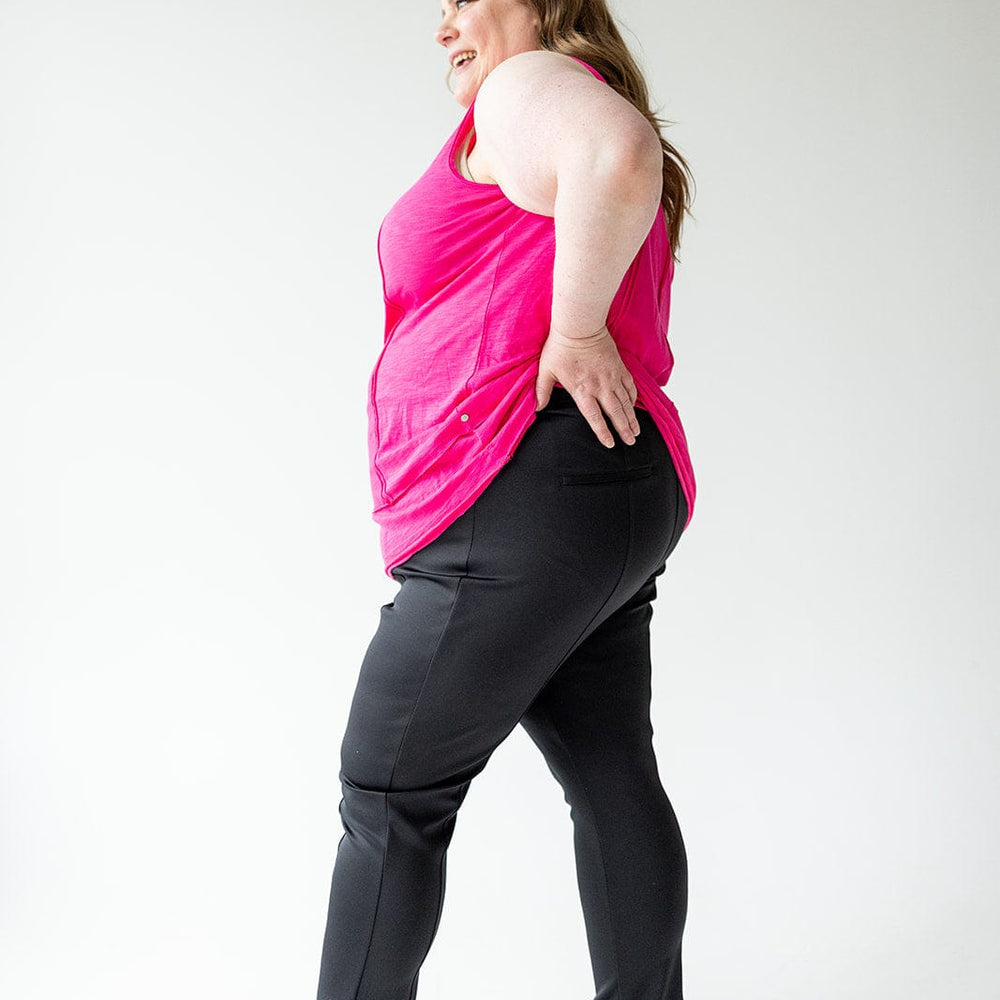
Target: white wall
x,y
189,310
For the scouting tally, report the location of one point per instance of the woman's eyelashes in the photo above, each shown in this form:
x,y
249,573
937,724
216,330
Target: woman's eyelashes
x,y
457,5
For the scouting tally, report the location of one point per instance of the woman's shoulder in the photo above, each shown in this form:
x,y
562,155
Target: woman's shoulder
x,y
538,67
535,90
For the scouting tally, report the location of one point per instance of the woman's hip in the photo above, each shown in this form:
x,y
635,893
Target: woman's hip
x,y
567,504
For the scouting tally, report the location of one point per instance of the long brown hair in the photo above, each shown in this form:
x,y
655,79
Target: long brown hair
x,y
587,30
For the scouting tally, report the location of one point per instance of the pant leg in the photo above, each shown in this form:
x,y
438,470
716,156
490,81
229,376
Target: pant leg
x,y
565,533
591,721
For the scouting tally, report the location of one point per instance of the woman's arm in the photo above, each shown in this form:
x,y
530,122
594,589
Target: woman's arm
x,y
561,143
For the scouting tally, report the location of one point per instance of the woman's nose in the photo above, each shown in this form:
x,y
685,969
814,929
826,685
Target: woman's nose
x,y
445,33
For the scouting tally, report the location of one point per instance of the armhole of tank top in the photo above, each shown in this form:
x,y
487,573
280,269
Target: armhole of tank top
x,y
466,125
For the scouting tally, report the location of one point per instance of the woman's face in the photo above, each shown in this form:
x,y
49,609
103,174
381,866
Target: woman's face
x,y
487,30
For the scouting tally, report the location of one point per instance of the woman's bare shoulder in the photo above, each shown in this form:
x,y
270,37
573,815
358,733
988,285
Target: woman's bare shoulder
x,y
534,94
539,110
542,99
523,73
540,61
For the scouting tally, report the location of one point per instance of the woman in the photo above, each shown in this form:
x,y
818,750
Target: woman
x,y
530,479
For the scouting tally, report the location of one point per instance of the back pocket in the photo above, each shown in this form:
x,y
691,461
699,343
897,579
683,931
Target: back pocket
x,y
609,476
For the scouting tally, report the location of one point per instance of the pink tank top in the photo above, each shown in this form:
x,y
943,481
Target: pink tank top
x,y
467,279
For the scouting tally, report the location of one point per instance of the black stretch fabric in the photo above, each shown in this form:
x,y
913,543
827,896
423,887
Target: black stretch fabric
x,y
533,607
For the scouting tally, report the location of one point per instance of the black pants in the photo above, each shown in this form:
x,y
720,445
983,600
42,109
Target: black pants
x,y
533,607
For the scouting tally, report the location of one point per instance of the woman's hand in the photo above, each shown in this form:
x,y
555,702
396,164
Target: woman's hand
x,y
592,371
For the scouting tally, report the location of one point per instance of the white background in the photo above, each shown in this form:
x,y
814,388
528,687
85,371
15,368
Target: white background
x,y
189,310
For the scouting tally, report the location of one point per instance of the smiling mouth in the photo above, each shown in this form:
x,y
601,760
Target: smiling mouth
x,y
462,59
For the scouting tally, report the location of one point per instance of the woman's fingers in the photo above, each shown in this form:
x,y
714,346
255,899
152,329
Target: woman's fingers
x,y
593,372
620,411
591,409
544,385
618,406
629,383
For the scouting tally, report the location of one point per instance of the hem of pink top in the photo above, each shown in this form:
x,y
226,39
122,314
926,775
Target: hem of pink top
x,y
476,479
410,542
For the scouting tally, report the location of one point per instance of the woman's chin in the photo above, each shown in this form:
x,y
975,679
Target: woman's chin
x,y
466,88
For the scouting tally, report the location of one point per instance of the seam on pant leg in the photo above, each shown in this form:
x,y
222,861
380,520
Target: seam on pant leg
x,y
433,656
437,923
441,866
402,739
629,545
600,842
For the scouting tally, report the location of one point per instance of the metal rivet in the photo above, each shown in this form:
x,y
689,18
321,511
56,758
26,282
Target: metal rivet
x,y
464,417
